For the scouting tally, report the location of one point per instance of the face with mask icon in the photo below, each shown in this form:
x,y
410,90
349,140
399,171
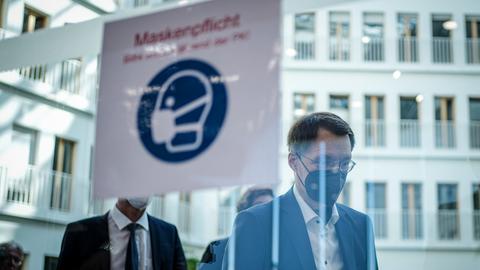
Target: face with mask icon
x,y
321,169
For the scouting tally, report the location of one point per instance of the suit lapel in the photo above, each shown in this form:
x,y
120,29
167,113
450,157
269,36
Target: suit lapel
x,y
344,236
105,236
155,245
293,222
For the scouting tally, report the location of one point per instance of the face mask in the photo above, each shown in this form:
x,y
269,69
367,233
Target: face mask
x,y
334,182
139,202
164,117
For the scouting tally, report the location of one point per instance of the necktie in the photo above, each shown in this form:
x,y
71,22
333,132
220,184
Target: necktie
x,y
131,263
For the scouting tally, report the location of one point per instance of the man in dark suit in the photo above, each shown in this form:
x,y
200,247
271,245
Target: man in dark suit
x,y
125,238
305,228
213,256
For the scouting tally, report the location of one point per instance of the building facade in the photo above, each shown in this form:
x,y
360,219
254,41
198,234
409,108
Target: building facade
x,y
404,74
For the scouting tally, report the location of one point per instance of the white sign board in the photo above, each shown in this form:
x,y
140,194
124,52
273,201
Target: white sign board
x,y
189,99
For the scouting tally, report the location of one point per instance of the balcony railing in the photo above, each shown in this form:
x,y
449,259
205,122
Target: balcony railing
x,y
373,49
445,134
476,224
408,49
226,215
305,50
375,133
412,224
339,49
473,50
442,51
184,217
65,75
34,187
409,133
379,220
475,134
448,224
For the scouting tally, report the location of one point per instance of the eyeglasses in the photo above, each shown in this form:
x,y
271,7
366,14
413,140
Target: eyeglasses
x,y
344,166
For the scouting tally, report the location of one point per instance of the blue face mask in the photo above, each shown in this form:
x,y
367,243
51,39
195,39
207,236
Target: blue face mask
x,y
334,182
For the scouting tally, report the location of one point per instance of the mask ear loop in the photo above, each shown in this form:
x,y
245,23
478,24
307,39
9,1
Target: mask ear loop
x,y
304,166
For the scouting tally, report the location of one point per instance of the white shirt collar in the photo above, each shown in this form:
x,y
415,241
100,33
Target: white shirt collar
x,y
309,214
122,221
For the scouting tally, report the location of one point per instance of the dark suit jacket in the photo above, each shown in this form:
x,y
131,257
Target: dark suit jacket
x,y
253,238
86,245
213,256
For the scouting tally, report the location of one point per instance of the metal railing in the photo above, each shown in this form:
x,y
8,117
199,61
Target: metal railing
x,y
184,217
473,50
34,187
412,224
448,224
379,222
407,49
442,50
339,49
373,49
375,132
305,50
226,216
409,133
66,75
475,134
445,134
476,224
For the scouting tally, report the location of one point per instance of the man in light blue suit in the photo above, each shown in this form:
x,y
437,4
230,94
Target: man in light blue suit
x,y
308,229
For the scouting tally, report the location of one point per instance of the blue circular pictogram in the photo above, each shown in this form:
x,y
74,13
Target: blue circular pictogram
x,y
184,113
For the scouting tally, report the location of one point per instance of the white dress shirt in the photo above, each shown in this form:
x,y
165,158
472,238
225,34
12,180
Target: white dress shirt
x,y
324,240
119,236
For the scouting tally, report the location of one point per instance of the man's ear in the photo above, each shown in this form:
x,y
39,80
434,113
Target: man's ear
x,y
292,161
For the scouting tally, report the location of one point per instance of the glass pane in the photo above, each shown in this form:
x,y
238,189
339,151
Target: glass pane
x,y
408,108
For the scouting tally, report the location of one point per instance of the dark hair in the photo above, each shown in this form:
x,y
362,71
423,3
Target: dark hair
x,y
11,245
305,129
251,195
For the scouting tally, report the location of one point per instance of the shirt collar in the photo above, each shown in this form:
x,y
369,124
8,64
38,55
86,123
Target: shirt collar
x,y
309,214
122,221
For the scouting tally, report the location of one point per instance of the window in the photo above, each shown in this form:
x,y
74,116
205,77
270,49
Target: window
x,y
376,207
23,145
157,206
476,210
305,36
339,102
409,126
227,210
441,38
21,151
474,108
472,31
407,37
374,121
448,223
339,36
412,217
33,20
339,105
444,122
303,104
63,161
372,39
184,212
50,263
